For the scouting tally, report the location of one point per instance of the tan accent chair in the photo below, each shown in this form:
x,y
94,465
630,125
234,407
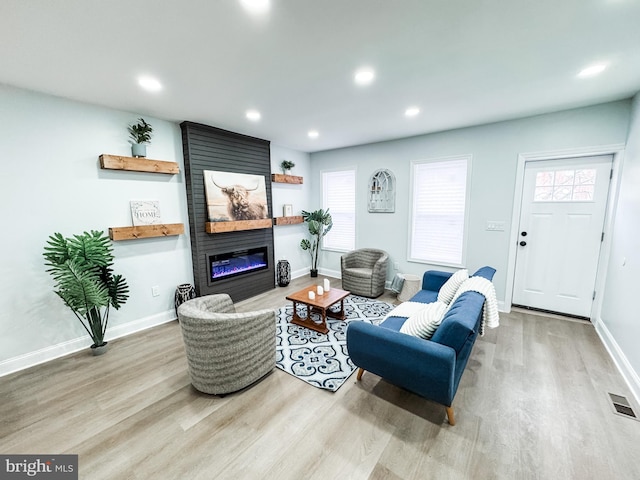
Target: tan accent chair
x,y
364,271
226,351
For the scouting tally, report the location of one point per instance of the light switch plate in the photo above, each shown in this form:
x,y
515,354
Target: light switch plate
x,y
495,225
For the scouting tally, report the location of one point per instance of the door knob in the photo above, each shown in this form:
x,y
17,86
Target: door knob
x,y
523,243
524,234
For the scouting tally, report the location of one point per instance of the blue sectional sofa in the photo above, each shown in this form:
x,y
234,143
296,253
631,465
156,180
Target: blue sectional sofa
x,y
429,368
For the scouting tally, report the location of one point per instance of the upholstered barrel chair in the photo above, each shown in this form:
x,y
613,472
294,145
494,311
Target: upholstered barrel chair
x,y
226,351
364,271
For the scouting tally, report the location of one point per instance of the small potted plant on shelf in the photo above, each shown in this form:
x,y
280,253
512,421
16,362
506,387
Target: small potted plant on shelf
x,y
82,269
140,134
287,165
319,223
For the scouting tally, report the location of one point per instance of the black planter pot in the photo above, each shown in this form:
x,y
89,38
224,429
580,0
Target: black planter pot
x,y
99,349
314,273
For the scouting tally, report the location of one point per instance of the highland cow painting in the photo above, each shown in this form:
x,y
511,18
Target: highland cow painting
x,y
235,196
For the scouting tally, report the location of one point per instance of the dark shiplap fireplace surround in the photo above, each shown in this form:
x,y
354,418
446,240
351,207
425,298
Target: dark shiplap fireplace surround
x,y
210,148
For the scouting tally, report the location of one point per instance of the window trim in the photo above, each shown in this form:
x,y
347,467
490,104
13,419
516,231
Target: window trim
x,y
355,207
469,159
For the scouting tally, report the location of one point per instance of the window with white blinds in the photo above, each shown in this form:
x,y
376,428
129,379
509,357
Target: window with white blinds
x,y
339,196
438,217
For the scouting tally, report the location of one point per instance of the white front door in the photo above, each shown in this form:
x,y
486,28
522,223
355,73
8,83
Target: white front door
x,y
560,233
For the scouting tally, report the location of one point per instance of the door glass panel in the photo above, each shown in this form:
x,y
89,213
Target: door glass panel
x,y
544,179
564,177
585,177
543,194
565,186
583,192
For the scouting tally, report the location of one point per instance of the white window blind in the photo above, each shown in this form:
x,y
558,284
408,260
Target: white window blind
x,y
439,211
339,196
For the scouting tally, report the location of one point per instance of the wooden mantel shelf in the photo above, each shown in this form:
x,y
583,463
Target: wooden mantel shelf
x,y
134,164
145,231
288,220
280,178
221,227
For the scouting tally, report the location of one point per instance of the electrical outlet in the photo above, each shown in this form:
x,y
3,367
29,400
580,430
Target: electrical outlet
x,y
155,291
396,265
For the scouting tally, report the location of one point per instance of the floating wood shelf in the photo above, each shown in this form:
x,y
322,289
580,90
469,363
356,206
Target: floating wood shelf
x,y
280,178
116,162
288,220
221,227
146,231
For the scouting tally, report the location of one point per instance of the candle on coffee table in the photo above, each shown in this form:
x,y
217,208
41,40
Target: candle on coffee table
x,y
327,285
312,296
320,290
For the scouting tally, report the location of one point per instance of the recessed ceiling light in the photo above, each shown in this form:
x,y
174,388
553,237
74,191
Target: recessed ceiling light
x,y
256,6
313,134
592,70
412,111
364,76
150,84
253,115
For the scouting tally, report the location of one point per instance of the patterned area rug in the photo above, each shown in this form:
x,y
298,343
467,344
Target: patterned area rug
x,y
318,359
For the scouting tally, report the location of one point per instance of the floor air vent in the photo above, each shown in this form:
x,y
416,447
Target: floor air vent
x,y
621,406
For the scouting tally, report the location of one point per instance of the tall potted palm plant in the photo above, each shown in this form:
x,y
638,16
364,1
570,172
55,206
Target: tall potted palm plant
x,y
81,267
319,224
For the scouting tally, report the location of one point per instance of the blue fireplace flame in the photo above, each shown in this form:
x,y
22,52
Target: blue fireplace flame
x,y
239,262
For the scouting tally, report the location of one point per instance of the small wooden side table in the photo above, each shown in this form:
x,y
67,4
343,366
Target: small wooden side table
x,y
318,305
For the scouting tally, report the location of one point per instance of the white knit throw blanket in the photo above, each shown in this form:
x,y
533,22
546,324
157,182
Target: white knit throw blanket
x,y
490,317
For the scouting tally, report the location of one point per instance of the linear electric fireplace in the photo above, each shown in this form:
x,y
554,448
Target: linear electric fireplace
x,y
239,262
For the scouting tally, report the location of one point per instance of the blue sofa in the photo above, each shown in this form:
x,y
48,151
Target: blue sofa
x,y
429,368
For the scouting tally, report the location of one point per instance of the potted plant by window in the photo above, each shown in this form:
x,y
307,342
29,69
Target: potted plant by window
x,y
319,223
82,269
140,134
286,165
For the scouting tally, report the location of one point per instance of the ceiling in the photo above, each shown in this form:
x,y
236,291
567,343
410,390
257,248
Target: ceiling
x,y
463,62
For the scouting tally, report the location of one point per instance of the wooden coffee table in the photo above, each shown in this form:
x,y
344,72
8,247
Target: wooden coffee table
x,y
318,305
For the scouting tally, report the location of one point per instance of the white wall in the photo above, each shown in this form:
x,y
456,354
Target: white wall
x,y
51,182
287,237
495,148
620,315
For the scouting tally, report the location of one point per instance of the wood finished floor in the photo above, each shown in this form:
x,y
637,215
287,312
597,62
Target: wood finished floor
x,y
532,404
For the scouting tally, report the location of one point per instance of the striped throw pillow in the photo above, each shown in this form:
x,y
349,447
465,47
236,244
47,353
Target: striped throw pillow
x,y
424,323
450,288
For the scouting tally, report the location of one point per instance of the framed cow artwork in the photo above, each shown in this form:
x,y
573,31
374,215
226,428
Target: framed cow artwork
x,y
235,196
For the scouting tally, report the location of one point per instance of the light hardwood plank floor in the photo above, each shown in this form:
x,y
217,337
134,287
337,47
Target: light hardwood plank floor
x,y
532,404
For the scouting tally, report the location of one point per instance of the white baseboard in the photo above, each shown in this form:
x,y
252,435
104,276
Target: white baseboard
x,y
46,354
330,273
619,358
300,273
321,271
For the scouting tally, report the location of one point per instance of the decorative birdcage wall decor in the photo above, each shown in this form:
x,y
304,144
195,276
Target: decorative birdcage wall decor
x,y
382,192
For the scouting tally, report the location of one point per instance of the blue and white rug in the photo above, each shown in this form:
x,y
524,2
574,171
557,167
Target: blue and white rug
x,y
318,359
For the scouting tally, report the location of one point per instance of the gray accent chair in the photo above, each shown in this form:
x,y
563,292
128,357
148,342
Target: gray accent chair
x,y
226,351
364,271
